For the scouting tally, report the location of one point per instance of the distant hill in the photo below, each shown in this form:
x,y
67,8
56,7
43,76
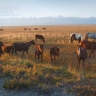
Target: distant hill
x,y
46,21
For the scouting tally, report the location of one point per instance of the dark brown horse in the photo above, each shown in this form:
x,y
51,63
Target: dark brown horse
x,y
1,44
54,51
81,54
37,36
25,28
89,46
23,46
1,29
8,49
38,51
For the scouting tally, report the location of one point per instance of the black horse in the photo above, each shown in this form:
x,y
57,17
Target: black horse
x,y
23,46
39,37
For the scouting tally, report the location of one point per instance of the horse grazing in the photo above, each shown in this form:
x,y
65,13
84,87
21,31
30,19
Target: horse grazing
x,y
76,37
35,28
1,44
38,51
22,46
90,36
1,29
54,51
25,28
81,54
8,49
39,37
89,46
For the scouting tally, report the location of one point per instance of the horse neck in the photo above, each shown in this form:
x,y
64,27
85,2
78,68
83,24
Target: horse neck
x,y
29,43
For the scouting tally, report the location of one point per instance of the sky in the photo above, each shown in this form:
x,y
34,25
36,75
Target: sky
x,y
47,8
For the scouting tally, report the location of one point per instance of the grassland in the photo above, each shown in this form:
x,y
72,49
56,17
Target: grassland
x,y
27,72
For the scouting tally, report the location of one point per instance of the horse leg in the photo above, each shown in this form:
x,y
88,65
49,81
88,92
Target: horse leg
x,y
15,51
12,51
54,57
79,62
35,55
38,57
41,56
27,53
22,53
82,63
51,57
92,51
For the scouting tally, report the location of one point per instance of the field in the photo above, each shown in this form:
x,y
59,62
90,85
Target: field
x,y
26,72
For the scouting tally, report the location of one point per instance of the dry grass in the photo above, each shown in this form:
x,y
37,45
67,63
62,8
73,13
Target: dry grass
x,y
26,69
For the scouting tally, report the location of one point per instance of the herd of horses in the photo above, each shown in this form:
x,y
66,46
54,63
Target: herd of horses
x,y
82,47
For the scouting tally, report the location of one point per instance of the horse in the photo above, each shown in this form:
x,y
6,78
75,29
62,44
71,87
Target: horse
x,y
22,46
81,55
37,36
54,51
89,45
25,28
44,28
76,37
1,29
90,35
8,49
1,44
35,28
38,51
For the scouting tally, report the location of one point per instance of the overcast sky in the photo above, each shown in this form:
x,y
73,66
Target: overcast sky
x,y
46,8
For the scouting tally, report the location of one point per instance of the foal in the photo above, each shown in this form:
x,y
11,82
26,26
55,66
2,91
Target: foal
x,y
81,54
54,51
8,49
38,51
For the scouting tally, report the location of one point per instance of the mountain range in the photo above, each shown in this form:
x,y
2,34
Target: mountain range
x,y
46,21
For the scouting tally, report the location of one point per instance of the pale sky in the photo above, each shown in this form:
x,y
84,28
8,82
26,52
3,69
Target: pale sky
x,y
46,8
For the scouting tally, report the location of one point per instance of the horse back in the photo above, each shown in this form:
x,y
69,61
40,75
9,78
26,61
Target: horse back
x,y
19,46
88,45
54,51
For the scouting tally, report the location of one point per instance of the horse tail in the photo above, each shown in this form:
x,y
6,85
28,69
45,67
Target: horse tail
x,y
43,40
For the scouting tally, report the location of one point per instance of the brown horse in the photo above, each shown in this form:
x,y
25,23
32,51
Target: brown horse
x,y
8,49
1,29
81,54
39,37
54,51
89,46
38,51
1,44
22,47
